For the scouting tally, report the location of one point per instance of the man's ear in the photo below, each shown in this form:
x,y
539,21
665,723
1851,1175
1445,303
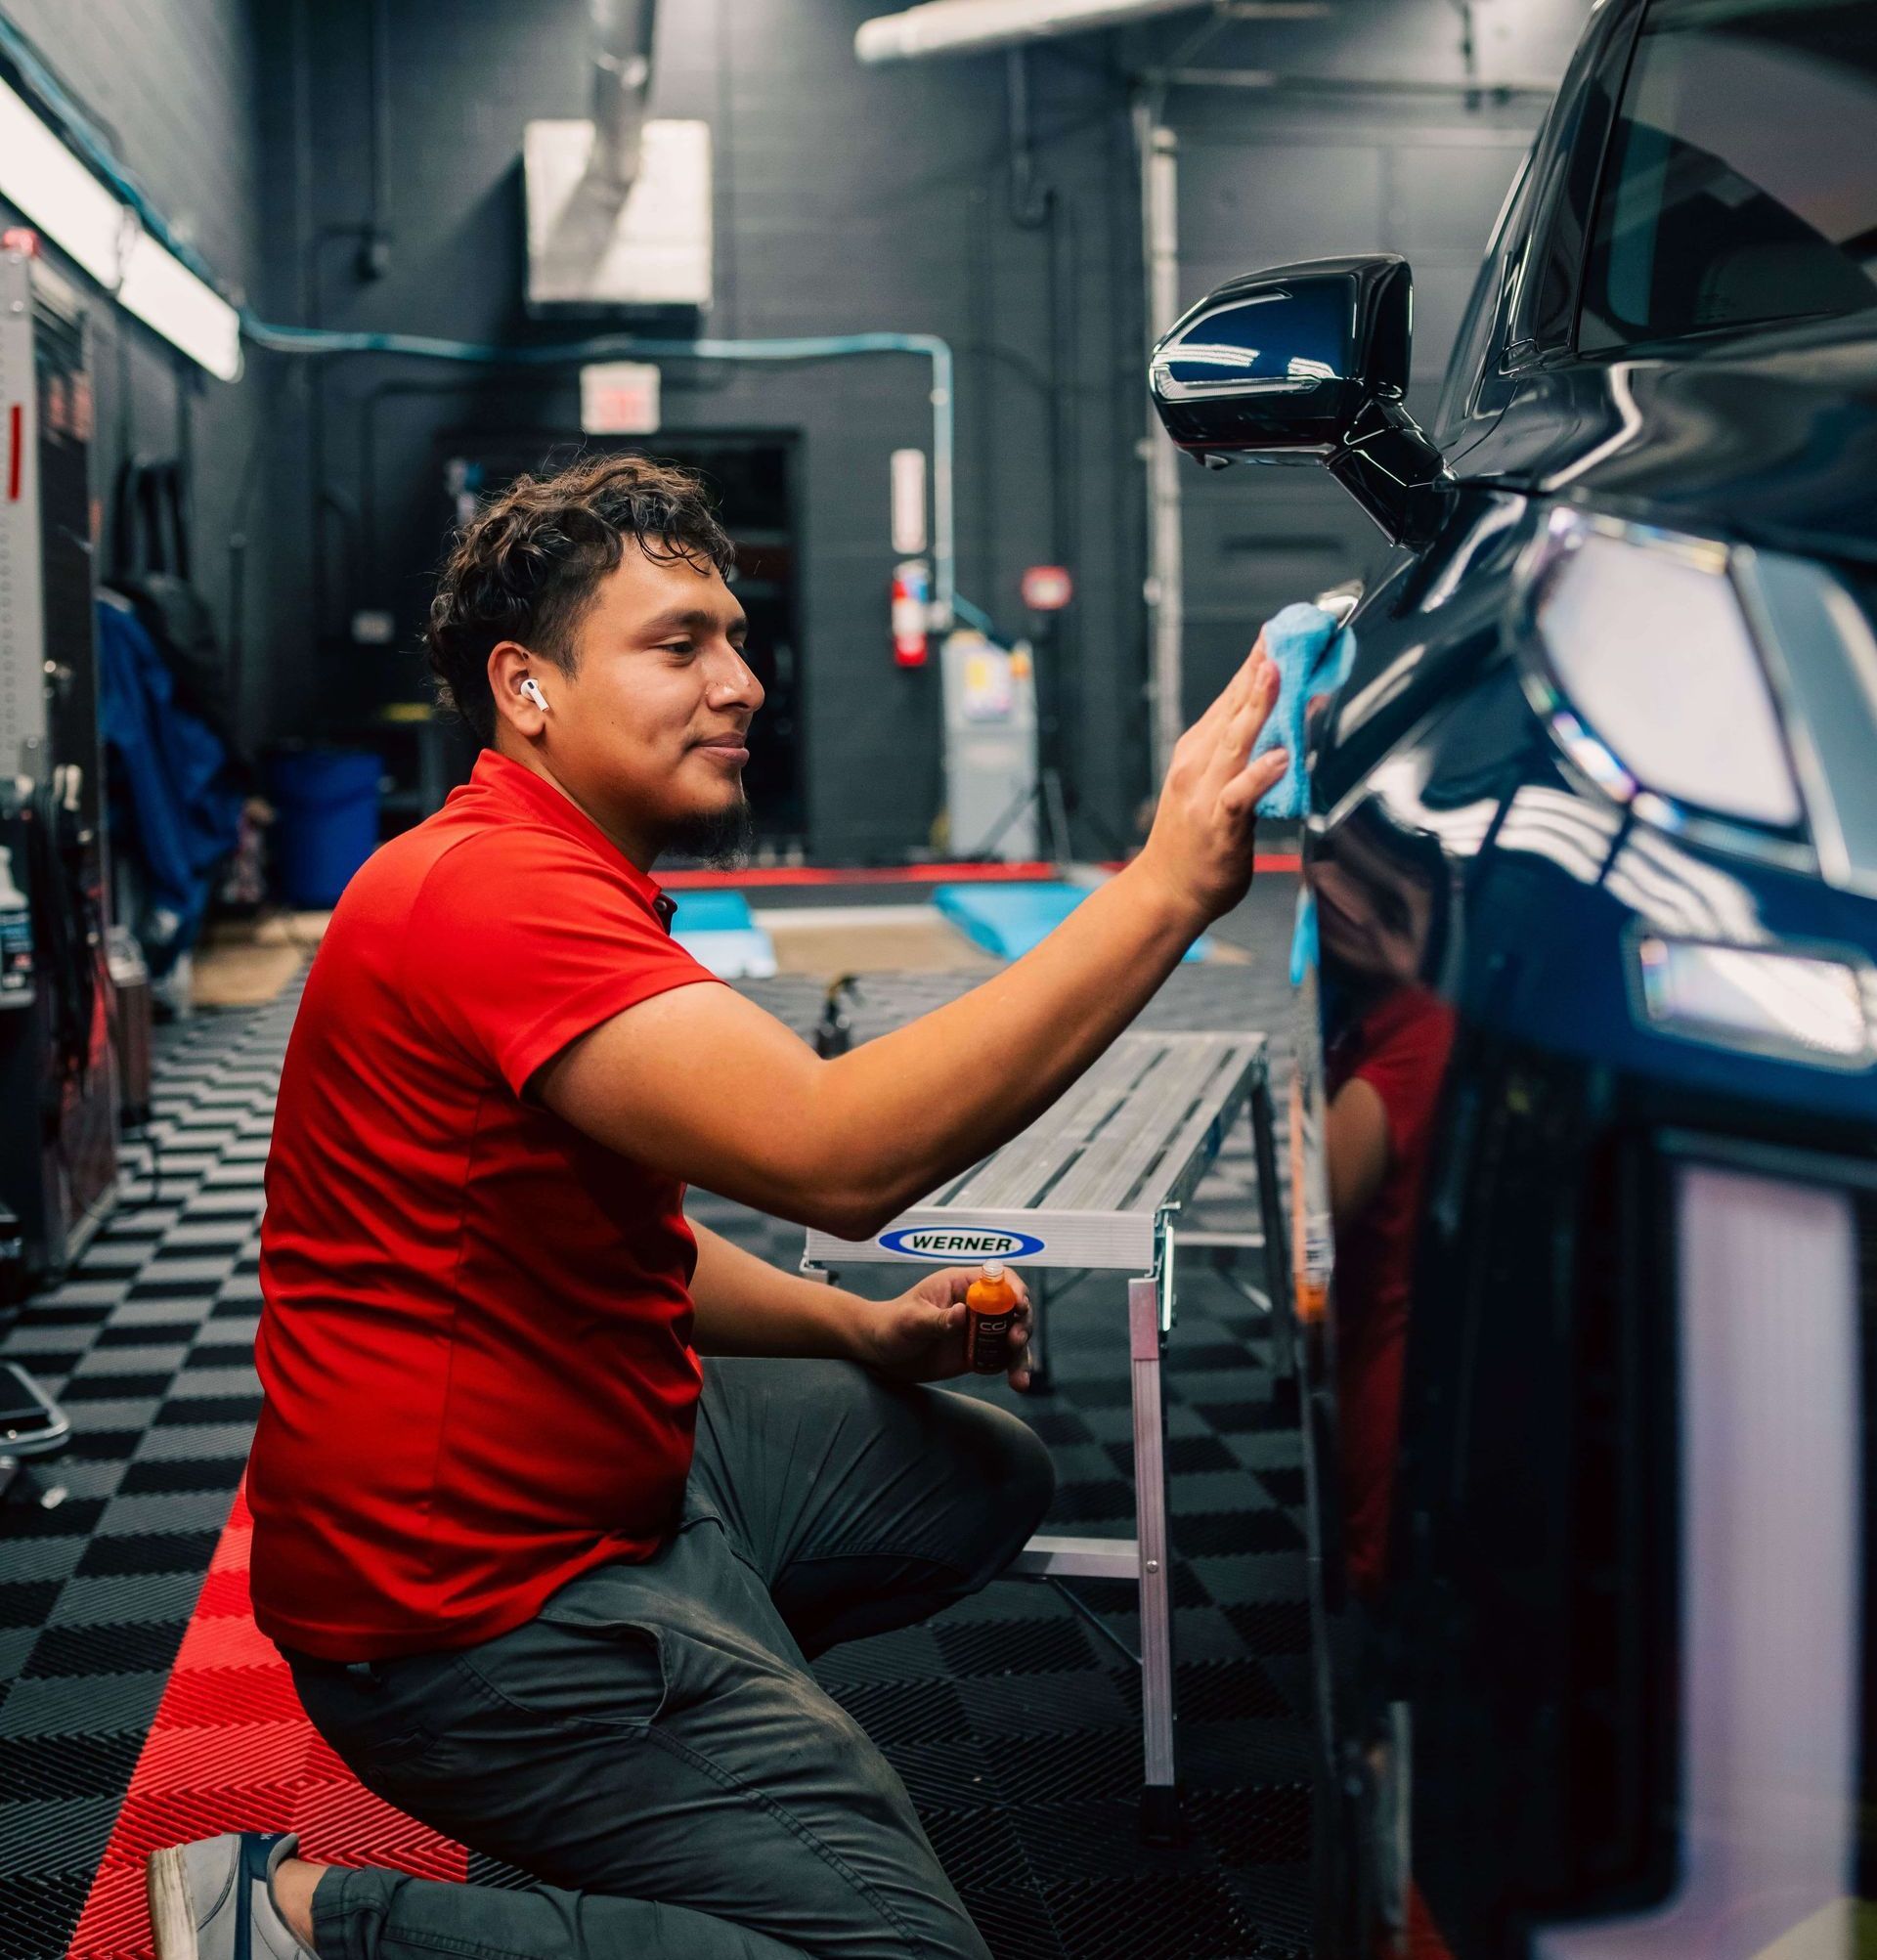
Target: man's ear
x,y
509,665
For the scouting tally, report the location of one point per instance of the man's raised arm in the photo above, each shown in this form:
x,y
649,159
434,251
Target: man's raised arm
x,y
703,1084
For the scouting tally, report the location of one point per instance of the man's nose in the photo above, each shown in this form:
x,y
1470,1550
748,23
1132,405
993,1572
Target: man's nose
x,y
733,684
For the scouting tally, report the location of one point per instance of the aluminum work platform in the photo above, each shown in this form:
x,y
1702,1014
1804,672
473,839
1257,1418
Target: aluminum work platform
x,y
1096,1184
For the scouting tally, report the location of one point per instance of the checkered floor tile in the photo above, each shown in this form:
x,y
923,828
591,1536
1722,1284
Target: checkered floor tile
x,y
149,1347
1013,1717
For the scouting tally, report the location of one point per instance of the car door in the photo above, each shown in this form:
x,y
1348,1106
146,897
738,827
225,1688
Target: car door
x,y
1406,769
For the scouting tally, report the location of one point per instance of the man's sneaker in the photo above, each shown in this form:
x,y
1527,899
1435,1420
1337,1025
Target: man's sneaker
x,y
209,1901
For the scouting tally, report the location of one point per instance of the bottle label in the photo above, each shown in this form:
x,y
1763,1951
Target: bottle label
x,y
16,952
990,1342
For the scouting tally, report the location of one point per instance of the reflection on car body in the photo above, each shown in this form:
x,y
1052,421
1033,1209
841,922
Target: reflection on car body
x,y
1587,1088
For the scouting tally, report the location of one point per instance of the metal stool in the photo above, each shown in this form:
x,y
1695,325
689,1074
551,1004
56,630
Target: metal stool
x,y
1095,1183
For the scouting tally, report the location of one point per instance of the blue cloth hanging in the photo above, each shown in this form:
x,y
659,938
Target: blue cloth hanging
x,y
173,807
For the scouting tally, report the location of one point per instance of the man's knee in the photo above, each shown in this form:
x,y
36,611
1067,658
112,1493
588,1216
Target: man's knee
x,y
1018,1481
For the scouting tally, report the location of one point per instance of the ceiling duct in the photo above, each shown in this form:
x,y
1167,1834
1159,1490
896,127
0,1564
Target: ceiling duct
x,y
971,26
619,208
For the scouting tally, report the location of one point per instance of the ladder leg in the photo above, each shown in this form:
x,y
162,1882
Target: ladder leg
x,y
1161,1797
1264,1147
1040,1381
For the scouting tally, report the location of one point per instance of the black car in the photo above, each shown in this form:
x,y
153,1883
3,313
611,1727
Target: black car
x,y
1585,1240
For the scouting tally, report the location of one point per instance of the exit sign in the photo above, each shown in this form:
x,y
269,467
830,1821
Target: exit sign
x,y
619,398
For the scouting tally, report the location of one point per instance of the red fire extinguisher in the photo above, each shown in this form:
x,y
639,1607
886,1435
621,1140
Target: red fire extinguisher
x,y
911,612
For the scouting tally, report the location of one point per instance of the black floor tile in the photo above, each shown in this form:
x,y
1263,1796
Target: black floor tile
x,y
102,1445
135,1647
1017,1646
1286,1486
1085,1767
23,1522
149,1551
1102,1501
115,1387
904,1712
26,1604
980,1849
1221,1533
201,1408
140,1334
1014,1923
953,1775
1273,1626
199,1474
1121,1918
40,1913
50,1766
1256,1827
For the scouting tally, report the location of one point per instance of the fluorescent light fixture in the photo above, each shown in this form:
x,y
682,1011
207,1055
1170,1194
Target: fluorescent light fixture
x,y
971,26
55,191
187,311
1800,1007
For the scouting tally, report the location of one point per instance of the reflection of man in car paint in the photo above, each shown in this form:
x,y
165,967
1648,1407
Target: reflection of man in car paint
x,y
1381,905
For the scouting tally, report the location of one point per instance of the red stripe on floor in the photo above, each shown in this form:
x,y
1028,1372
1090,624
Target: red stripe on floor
x,y
756,876
231,1750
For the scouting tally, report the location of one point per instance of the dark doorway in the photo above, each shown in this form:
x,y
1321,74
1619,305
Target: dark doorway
x,y
753,478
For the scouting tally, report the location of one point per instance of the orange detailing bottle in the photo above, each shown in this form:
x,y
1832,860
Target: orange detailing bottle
x,y
990,1301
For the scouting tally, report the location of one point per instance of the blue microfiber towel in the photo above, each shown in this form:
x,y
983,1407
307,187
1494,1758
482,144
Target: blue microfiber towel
x,y
1312,658
1305,951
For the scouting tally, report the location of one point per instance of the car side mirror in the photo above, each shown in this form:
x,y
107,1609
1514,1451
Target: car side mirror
x,y
1308,363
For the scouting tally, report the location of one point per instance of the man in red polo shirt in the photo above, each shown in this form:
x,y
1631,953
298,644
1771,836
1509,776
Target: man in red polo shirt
x,y
546,1580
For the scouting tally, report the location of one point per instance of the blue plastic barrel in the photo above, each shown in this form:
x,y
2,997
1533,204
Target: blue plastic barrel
x,y
328,805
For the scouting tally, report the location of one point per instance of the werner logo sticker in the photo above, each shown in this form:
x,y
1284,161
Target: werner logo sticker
x,y
950,1244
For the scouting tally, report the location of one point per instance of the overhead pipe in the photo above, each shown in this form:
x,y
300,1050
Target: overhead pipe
x,y
946,603
623,31
971,27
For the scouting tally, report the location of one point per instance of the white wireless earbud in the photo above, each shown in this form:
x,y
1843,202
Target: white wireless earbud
x,y
531,687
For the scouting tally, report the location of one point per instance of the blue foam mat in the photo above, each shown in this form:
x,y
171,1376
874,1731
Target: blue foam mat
x,y
719,930
1008,920
712,912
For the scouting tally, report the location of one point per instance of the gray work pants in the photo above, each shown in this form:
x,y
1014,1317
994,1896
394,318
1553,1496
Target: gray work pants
x,y
652,1746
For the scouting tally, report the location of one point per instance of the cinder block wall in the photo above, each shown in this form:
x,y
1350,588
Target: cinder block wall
x,y
847,199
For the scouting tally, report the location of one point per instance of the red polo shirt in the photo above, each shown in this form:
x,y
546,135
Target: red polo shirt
x,y
475,1341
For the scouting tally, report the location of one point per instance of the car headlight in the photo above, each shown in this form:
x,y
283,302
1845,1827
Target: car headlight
x,y
1649,677
1800,1005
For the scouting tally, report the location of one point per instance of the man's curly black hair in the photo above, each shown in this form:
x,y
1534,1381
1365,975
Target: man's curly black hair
x,y
528,565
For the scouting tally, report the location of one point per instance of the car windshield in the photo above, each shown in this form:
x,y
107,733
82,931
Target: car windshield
x,y
1741,185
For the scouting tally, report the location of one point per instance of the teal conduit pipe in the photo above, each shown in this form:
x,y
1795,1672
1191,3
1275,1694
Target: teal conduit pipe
x,y
946,606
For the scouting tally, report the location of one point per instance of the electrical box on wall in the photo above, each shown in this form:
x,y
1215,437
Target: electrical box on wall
x,y
592,247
